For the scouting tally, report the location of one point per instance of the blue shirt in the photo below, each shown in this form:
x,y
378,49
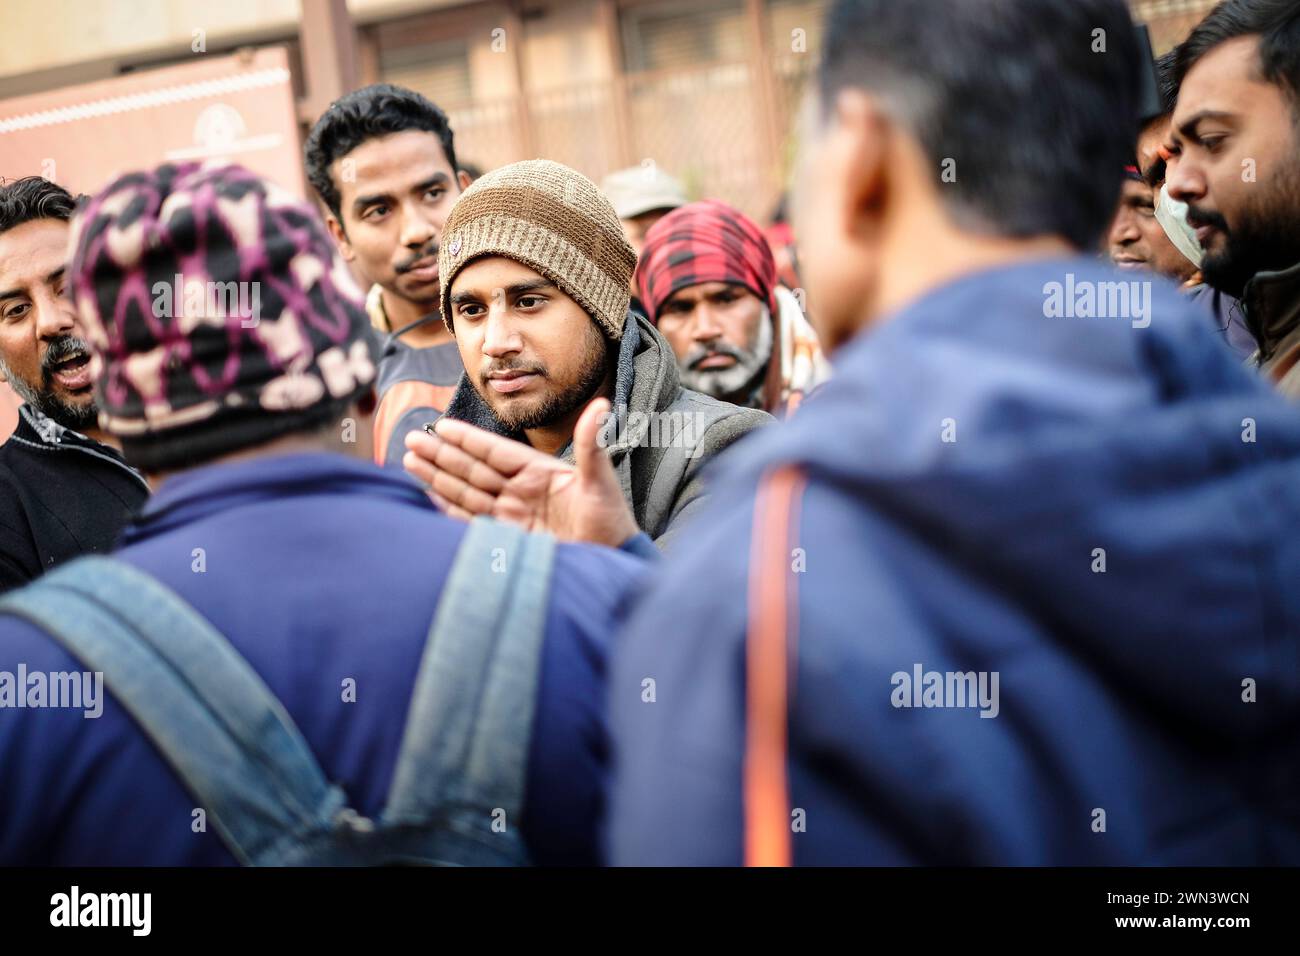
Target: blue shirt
x,y
318,568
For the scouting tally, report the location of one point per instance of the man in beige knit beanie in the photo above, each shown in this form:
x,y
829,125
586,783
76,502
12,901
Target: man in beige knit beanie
x,y
535,271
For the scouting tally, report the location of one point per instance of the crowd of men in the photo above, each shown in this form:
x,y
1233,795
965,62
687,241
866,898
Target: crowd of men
x,y
555,539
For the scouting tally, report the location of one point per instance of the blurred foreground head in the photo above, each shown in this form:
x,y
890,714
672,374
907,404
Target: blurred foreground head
x,y
953,134
219,312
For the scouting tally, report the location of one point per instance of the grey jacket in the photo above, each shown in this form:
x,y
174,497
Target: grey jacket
x,y
660,436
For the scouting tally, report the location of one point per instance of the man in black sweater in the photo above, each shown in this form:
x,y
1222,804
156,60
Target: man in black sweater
x,y
63,492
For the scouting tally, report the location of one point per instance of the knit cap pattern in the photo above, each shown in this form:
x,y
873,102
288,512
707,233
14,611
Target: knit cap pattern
x,y
217,308
552,219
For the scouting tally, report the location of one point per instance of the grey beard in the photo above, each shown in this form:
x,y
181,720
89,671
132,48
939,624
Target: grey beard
x,y
76,417
743,379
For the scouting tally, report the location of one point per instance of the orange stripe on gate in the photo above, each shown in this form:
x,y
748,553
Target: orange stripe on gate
x,y
772,629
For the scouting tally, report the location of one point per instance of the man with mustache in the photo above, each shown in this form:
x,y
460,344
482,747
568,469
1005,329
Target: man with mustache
x,y
535,271
383,161
1136,239
1138,236
1236,140
707,280
63,491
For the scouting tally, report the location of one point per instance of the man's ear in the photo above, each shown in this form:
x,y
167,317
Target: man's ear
x,y
462,177
340,237
861,139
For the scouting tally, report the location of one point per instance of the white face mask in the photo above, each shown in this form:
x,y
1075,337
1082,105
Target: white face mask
x,y
1172,216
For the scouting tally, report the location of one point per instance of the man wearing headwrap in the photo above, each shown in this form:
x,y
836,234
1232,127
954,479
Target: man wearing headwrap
x,y
708,281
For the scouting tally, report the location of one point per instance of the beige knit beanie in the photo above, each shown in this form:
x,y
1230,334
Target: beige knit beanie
x,y
552,219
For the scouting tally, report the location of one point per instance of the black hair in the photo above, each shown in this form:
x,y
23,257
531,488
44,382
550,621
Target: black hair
x,y
1167,89
1275,22
364,114
1167,81
34,197
1036,101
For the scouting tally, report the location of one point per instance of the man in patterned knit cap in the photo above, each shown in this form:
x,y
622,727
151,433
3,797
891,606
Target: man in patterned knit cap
x,y
535,271
234,360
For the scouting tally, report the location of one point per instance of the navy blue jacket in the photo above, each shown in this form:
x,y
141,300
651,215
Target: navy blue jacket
x,y
1121,690
318,568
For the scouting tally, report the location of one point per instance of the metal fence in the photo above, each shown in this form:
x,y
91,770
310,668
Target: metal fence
x,y
705,126
722,128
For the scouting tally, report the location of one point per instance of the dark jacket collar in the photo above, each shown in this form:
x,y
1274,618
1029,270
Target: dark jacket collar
x,y
1272,303
43,434
35,426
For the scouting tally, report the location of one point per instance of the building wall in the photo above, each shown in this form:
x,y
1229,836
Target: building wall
x,y
1169,21
707,89
99,36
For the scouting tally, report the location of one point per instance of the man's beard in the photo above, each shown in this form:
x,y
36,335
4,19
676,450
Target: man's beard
x,y
44,399
517,417
738,380
1265,239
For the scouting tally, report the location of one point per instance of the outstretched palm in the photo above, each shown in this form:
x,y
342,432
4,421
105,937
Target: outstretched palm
x,y
471,472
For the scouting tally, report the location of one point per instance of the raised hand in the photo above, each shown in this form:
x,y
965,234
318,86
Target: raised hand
x,y
471,472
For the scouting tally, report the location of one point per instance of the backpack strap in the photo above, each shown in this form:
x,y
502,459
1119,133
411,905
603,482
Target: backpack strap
x,y
218,725
771,637
466,743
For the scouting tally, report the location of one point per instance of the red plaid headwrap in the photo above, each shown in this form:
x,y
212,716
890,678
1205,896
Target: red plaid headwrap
x,y
704,242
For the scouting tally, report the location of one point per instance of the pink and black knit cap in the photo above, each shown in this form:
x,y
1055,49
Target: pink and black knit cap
x,y
218,312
